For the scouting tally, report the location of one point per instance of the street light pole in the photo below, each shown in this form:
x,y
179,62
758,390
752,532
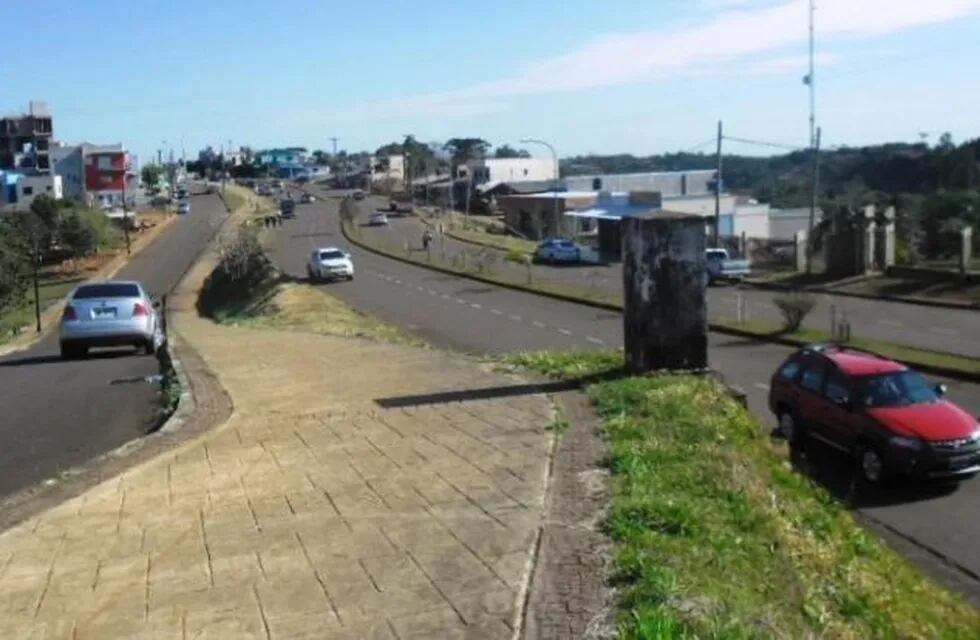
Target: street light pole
x,y
554,156
125,216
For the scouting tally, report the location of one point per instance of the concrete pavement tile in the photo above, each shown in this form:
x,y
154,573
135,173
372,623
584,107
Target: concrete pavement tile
x,y
390,572
306,627
442,622
498,603
293,596
232,570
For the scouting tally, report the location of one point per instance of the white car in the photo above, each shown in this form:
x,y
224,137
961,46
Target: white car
x,y
330,263
378,219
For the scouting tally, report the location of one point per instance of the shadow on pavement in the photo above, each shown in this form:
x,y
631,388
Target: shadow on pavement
x,y
489,393
54,358
838,474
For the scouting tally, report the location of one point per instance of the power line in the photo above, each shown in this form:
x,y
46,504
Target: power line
x,y
764,143
698,146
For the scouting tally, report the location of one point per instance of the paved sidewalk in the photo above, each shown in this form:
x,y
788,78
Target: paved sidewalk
x,y
316,511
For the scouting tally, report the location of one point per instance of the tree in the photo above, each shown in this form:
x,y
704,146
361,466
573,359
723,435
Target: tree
x,y
507,151
14,266
44,222
151,174
946,142
463,149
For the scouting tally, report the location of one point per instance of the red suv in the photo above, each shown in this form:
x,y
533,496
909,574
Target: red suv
x,y
879,411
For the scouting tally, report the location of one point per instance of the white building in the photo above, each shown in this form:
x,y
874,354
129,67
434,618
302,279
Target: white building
x,y
29,187
494,171
390,168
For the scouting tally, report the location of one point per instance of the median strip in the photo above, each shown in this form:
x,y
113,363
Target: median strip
x,y
936,363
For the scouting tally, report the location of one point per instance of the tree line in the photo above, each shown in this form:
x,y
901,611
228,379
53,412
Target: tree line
x,y
50,231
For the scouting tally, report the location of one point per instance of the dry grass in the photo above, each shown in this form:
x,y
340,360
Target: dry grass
x,y
298,307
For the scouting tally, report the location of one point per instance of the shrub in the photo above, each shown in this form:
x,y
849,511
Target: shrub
x,y
794,306
243,269
516,255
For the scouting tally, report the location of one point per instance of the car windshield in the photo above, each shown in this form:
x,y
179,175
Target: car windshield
x,y
897,389
107,291
331,255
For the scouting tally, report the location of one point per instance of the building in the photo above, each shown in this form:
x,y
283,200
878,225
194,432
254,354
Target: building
x,y
492,171
20,190
669,183
25,140
785,223
542,215
390,168
67,162
287,155
110,172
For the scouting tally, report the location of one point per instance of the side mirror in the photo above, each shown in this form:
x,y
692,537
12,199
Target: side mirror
x,y
940,390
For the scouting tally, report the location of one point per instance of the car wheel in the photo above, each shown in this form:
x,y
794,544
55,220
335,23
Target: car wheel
x,y
791,429
68,352
872,465
149,347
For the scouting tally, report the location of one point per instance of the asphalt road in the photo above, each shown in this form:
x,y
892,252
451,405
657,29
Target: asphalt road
x,y
933,526
58,414
934,328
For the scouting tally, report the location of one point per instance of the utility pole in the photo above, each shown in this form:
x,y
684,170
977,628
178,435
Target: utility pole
x,y
718,189
813,202
125,215
811,80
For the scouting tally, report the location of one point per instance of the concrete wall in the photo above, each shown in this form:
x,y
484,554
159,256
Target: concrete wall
x,y
520,169
752,220
784,223
669,183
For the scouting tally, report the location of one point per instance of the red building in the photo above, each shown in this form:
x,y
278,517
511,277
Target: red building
x,y
104,171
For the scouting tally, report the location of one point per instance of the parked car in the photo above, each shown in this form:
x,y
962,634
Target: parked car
x,y
557,250
109,314
307,198
184,207
330,263
287,209
721,267
378,219
880,412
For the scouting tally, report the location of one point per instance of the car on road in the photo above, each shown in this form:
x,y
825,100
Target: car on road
x,y
557,250
378,219
307,198
721,267
287,209
330,263
109,314
879,412
184,207
358,195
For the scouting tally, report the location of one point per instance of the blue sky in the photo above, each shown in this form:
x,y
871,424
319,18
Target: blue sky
x,y
588,76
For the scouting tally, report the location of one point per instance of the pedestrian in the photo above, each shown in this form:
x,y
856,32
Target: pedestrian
x,y
426,239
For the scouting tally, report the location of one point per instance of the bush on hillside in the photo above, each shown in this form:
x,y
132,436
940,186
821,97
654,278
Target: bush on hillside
x,y
795,306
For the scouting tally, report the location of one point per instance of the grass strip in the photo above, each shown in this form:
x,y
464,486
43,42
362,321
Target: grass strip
x,y
716,536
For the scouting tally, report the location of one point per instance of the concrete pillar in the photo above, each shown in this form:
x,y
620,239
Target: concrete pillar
x,y
966,248
889,238
868,240
799,246
665,316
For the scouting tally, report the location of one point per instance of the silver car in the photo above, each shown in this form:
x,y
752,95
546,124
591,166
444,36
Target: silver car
x,y
109,314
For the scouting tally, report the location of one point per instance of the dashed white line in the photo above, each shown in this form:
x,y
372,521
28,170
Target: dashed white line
x,y
460,300
516,318
565,332
397,281
496,312
446,296
943,332
762,385
890,323
420,288
433,293
476,306
539,325
594,340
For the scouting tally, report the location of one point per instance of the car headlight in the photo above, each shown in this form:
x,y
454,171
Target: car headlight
x,y
906,443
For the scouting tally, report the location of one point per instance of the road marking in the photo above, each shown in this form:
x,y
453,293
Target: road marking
x,y
446,296
496,312
476,306
516,318
565,332
890,323
762,385
397,281
460,300
594,340
944,332
539,325
433,293
420,288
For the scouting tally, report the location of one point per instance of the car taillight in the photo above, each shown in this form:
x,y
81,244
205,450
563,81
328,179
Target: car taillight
x,y
139,310
69,313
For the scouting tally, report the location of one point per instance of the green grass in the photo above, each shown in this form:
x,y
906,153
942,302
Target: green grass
x,y
51,291
716,536
911,355
233,199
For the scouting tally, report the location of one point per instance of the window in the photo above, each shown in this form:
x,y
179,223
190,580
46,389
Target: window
x,y
790,370
838,387
597,184
105,163
896,389
812,378
107,291
28,191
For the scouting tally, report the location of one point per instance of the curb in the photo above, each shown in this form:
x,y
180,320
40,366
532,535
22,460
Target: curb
x,y
955,374
922,302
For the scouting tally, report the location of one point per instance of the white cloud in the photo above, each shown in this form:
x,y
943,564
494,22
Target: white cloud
x,y
737,37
